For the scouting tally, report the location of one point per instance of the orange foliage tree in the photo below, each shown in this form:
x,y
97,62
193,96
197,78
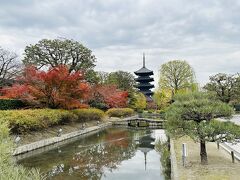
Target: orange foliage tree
x,y
110,95
56,88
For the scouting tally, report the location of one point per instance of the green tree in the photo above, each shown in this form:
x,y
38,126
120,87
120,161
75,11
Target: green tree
x,y
226,86
193,115
52,53
91,76
176,75
102,77
139,101
123,80
162,98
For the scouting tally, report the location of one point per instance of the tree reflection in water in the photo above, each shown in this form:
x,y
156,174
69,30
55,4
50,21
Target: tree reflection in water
x,y
92,161
93,156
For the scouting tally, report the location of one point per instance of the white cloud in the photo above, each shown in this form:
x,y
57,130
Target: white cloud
x,y
205,33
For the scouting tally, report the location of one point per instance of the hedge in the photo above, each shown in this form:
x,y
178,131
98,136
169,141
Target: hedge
x,y
11,104
120,112
88,114
20,121
237,107
98,105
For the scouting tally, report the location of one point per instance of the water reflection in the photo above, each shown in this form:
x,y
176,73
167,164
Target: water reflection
x,y
145,145
111,154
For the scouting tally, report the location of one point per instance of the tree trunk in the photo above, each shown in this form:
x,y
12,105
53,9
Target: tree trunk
x,y
203,152
172,96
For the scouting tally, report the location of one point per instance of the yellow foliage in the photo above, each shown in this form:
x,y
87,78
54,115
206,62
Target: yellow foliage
x,y
89,114
120,112
33,119
162,98
140,101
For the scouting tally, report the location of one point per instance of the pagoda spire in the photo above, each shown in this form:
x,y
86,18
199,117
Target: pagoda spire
x,y
145,160
144,60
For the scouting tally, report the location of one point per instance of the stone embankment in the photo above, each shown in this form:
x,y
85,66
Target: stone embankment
x,y
54,140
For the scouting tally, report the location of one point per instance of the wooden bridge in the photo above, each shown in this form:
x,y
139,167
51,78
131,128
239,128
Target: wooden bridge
x,y
136,121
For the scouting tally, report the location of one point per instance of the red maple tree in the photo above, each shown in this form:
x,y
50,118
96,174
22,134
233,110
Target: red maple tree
x,y
56,88
110,95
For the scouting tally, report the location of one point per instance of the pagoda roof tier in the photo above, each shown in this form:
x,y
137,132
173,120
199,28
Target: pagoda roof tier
x,y
148,92
144,85
141,87
142,79
143,71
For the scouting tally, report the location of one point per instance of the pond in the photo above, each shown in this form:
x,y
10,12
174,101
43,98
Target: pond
x,y
113,153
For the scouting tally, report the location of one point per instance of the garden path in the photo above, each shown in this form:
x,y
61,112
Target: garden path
x,y
233,146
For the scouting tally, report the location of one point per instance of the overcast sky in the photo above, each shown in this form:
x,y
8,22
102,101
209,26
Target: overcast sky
x,y
206,33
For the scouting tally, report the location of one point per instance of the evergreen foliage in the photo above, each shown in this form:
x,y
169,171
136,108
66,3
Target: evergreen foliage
x,y
194,115
11,104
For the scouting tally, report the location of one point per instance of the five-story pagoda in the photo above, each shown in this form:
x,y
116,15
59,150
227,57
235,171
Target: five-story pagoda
x,y
143,81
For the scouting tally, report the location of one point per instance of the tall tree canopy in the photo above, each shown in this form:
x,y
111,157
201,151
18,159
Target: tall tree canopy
x,y
193,114
102,77
176,75
9,67
122,79
226,86
52,53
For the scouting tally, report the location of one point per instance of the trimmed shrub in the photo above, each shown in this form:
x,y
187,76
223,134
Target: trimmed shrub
x,y
20,121
67,117
139,110
162,112
98,105
25,120
120,112
88,114
150,111
11,104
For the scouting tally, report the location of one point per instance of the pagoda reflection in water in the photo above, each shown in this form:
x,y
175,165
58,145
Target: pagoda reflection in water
x,y
143,81
145,145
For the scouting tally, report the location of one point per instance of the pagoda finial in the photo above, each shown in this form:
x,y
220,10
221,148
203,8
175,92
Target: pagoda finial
x,y
145,160
143,59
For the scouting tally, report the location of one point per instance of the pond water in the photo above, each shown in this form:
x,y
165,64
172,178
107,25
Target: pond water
x,y
113,153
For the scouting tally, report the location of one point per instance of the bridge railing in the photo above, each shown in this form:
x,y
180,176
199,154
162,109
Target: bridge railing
x,y
139,121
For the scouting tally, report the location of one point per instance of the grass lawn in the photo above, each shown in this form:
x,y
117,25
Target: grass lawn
x,y
219,165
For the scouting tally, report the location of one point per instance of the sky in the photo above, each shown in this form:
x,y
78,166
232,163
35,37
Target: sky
x,y
205,33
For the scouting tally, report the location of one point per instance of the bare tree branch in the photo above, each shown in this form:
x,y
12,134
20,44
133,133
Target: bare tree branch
x,y
9,67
